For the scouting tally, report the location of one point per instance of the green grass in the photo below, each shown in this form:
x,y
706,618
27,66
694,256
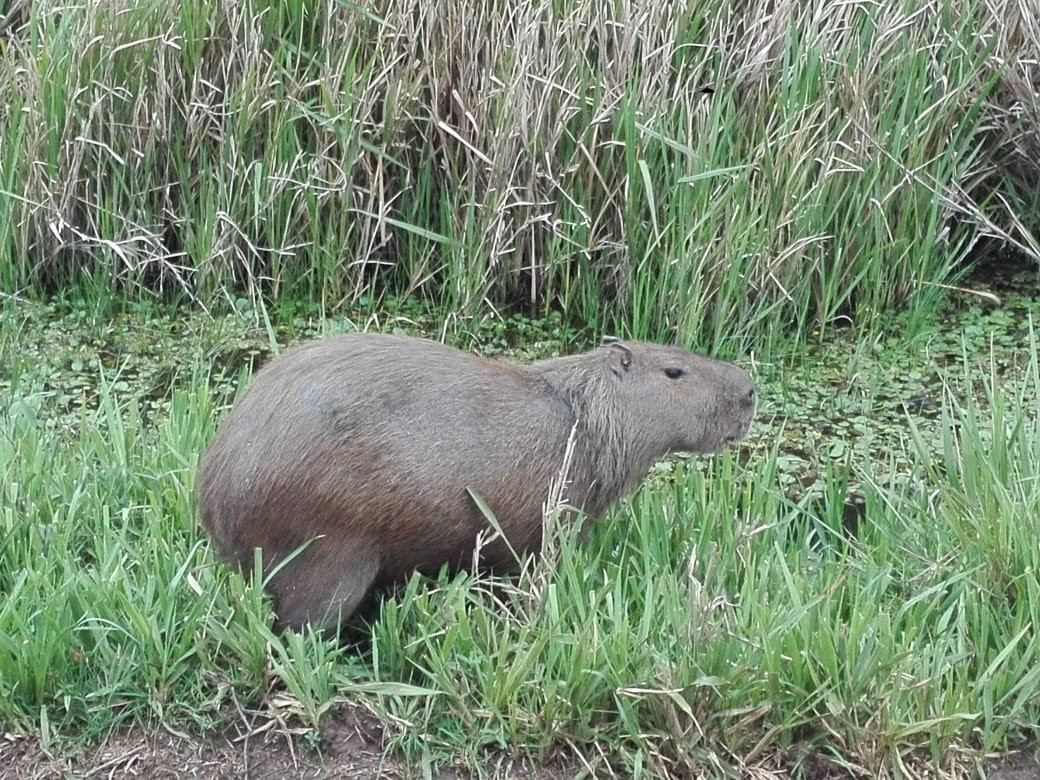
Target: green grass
x,y
722,173
742,177
719,621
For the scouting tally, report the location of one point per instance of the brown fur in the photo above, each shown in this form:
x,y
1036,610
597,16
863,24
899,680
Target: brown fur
x,y
364,445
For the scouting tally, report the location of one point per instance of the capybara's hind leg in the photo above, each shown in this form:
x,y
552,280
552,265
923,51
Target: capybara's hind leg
x,y
324,585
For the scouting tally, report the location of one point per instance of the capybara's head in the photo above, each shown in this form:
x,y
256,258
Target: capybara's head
x,y
683,402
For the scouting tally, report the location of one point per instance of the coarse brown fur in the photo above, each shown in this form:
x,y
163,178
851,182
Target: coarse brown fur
x,y
364,447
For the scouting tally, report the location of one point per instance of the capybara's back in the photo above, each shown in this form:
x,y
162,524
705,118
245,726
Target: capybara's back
x,y
363,448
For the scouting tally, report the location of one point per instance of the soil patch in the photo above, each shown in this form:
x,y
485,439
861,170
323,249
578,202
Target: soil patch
x,y
350,746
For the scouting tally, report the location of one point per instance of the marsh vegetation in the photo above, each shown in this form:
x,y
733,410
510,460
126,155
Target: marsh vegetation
x,y
829,194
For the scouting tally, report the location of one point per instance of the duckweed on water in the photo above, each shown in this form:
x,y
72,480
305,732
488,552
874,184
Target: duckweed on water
x,y
845,402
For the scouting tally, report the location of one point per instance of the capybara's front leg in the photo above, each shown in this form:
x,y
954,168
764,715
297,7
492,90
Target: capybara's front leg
x,y
325,583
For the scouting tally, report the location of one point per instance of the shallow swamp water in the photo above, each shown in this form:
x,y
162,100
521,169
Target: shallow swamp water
x,y
847,403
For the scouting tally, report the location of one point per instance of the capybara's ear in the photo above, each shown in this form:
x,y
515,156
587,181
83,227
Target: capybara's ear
x,y
619,356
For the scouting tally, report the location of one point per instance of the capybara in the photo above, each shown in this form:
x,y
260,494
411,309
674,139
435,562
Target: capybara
x,y
365,447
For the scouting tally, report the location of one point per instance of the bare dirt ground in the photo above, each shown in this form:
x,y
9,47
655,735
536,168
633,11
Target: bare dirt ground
x,y
350,746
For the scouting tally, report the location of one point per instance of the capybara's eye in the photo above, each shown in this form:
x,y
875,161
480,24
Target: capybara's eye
x,y
674,373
